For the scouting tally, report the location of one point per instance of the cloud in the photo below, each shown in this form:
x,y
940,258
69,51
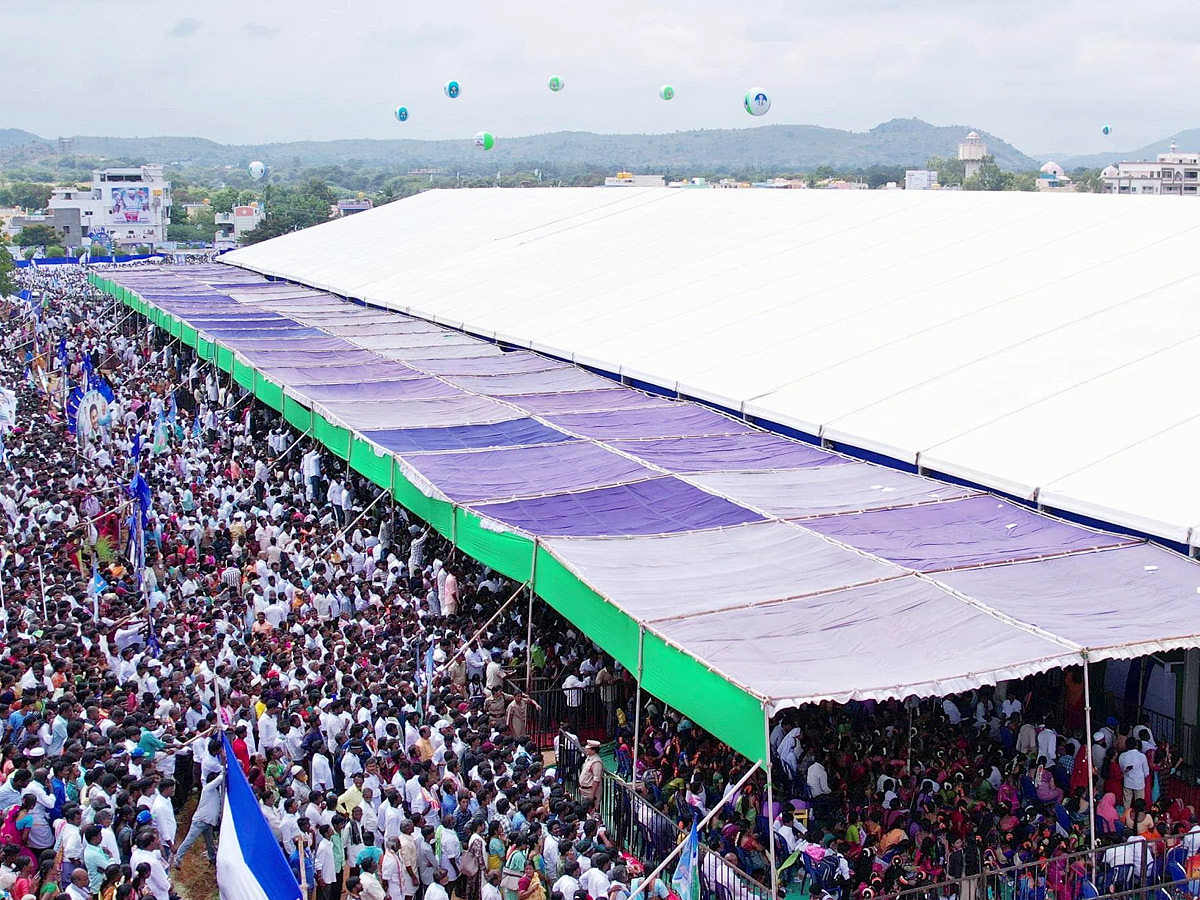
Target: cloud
x,y
184,28
258,30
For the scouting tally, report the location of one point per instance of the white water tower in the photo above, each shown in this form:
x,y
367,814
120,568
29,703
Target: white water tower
x,y
971,151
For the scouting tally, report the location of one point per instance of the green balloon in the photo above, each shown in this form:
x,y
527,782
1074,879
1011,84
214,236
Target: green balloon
x,y
666,92
555,83
484,140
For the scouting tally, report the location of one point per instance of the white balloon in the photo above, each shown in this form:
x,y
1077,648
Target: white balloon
x,y
257,170
756,102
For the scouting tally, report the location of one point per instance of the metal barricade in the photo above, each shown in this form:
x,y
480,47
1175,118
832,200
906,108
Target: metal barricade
x,y
590,713
649,834
1138,867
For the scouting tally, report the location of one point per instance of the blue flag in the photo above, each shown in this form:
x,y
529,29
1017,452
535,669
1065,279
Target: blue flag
x,y
250,863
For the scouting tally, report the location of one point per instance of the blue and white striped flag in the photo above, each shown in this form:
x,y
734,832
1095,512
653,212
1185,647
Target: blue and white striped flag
x,y
686,880
250,864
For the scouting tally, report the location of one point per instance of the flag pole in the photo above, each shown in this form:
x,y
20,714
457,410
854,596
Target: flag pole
x,y
649,880
42,582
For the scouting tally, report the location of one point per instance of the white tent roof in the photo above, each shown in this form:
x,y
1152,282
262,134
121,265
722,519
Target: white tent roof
x,y
1042,345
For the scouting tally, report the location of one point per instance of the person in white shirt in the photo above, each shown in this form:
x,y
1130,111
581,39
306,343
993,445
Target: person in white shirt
x,y
147,851
595,879
436,890
164,814
328,878
1136,770
568,884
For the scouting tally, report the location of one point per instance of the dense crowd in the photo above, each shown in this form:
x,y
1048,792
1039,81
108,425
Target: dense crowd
x,y
372,683
337,644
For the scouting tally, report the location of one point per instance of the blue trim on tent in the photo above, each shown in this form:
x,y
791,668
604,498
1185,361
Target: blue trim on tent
x,y
871,456
1091,522
649,388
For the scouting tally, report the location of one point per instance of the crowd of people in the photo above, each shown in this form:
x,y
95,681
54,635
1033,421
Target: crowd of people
x,y
878,799
338,646
371,682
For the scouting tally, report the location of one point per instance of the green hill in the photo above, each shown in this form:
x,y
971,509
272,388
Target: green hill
x,y
900,142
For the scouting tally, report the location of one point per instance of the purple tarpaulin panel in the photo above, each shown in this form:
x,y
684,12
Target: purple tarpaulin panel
x,y
567,379
728,453
416,388
680,420
825,490
298,376
661,506
513,433
300,339
527,471
273,359
235,320
585,401
477,350
959,533
1136,593
253,334
505,364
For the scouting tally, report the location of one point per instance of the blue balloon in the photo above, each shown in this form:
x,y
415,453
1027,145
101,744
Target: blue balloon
x,y
451,89
402,113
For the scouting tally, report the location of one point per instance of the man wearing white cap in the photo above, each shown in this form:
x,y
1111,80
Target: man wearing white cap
x,y
591,776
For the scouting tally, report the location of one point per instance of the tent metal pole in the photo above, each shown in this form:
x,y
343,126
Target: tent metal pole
x,y
770,805
529,622
1087,724
637,723
637,708
529,647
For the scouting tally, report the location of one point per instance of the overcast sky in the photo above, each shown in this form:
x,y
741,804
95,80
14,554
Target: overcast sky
x,y
1046,76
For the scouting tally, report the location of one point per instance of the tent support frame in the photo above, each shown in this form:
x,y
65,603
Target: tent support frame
x,y
1087,724
770,804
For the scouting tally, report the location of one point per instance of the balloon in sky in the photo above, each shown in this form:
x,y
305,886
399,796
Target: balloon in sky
x,y
556,83
484,140
666,92
257,170
1106,130
451,89
402,113
756,102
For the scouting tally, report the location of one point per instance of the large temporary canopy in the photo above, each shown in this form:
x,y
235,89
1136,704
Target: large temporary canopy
x,y
737,571
1040,345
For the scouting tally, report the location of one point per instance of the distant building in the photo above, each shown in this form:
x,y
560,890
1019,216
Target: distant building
x,y
130,205
972,151
232,225
1053,178
840,184
66,222
350,207
190,210
1172,173
689,183
628,179
920,179
781,184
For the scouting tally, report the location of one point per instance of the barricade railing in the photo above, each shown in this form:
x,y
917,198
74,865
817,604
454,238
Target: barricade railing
x,y
590,713
649,834
1131,867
